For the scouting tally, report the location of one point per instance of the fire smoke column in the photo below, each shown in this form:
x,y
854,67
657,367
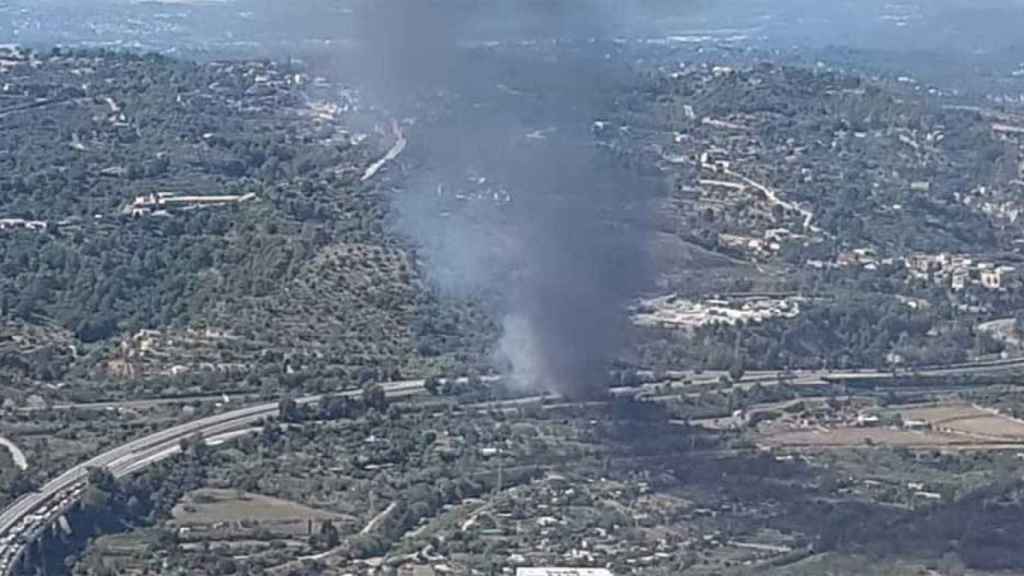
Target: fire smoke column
x,y
570,248
583,238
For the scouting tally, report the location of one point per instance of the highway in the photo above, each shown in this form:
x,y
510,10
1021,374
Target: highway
x,y
148,403
34,510
171,436
22,517
41,104
751,378
817,377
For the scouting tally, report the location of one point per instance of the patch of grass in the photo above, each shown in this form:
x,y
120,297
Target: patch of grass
x,y
842,565
211,506
126,544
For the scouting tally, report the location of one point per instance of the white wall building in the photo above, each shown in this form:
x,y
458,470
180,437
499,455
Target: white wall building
x,y
562,572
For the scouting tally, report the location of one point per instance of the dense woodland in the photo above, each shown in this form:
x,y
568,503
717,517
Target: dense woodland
x,y
307,280
847,148
882,167
309,285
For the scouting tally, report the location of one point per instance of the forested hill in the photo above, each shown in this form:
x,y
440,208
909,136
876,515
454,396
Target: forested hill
x,y
176,226
169,227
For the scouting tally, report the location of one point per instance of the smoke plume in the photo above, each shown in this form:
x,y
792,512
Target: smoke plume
x,y
511,193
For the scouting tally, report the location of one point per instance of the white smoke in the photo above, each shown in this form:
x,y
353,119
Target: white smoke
x,y
518,352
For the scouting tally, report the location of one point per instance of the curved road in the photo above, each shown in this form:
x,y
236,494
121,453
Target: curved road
x,y
35,510
19,457
32,511
392,154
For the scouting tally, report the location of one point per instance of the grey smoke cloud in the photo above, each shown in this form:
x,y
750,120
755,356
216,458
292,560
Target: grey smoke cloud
x,y
548,220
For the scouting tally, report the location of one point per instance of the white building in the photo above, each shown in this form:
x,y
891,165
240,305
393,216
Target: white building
x,y
867,420
960,278
20,223
994,278
990,279
562,572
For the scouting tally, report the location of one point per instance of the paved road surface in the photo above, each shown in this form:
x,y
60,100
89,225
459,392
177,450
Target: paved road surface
x,y
166,438
394,152
19,457
137,454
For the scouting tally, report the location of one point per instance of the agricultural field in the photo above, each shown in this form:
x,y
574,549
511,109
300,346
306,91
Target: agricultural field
x,y
849,437
968,420
210,509
850,565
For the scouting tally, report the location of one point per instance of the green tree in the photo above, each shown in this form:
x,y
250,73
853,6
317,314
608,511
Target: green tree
x,y
95,499
432,385
329,536
374,396
736,370
226,566
20,483
289,411
101,479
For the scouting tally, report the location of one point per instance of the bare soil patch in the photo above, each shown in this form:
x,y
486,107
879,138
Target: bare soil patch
x,y
851,437
964,419
209,506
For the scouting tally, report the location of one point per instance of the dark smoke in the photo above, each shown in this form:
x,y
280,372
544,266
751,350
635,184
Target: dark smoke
x,y
581,259
551,221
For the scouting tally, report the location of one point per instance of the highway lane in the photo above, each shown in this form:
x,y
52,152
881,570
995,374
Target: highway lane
x,y
810,377
127,457
137,454
233,399
237,399
40,105
752,377
24,506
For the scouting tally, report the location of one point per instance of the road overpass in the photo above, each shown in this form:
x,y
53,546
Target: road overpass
x,y
37,509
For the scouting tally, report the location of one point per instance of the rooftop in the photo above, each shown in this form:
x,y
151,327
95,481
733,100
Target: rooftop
x,y
562,572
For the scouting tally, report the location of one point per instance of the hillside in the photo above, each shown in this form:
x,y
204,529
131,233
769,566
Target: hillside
x,y
170,225
173,228
886,211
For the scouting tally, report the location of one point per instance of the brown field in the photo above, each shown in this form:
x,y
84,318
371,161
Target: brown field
x,y
863,437
852,437
991,426
963,419
208,506
125,544
940,413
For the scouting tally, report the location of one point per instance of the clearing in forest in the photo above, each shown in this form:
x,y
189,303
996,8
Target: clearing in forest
x,y
208,506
